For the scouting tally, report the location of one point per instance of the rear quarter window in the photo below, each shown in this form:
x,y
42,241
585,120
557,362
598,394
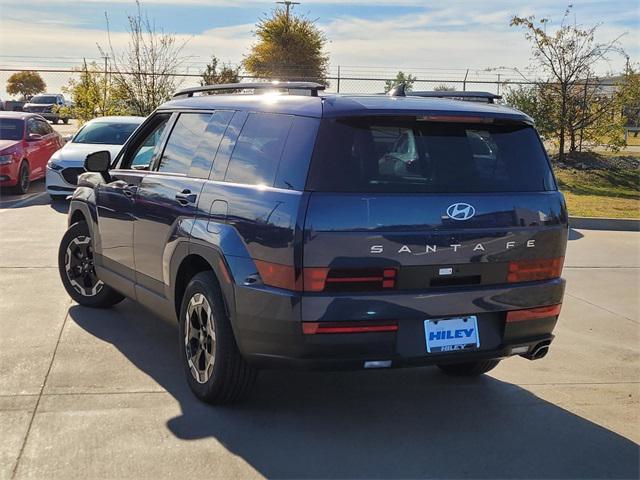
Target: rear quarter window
x,y
405,155
258,150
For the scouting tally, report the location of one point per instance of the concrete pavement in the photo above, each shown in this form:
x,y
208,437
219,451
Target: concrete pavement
x,y
100,393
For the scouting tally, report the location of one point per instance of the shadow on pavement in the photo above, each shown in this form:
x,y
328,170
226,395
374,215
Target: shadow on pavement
x,y
574,234
60,205
411,423
9,199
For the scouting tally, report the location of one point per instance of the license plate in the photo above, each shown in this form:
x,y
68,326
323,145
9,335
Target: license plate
x,y
451,334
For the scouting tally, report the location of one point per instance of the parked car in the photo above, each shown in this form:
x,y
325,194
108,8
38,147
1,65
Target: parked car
x,y
44,104
104,133
27,142
325,231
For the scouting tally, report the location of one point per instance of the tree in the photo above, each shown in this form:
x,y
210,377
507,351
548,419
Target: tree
x,y
568,56
26,84
212,76
94,95
537,102
401,78
443,87
289,47
147,69
628,97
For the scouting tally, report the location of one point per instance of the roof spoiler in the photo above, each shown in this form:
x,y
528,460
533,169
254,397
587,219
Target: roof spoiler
x,y
311,87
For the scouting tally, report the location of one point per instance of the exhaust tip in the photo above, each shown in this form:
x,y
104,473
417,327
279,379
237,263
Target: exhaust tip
x,y
538,352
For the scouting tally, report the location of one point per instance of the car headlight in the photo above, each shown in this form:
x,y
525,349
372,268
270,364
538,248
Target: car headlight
x,y
6,159
54,166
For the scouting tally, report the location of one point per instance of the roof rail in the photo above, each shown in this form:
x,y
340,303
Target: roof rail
x,y
312,87
464,95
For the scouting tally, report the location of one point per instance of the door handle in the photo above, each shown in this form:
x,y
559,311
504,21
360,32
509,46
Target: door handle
x,y
130,190
186,197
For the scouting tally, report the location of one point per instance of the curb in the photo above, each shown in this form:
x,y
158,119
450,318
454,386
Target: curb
x,y
615,224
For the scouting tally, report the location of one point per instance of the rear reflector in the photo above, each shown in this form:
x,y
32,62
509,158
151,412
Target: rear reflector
x,y
313,328
530,270
280,276
534,313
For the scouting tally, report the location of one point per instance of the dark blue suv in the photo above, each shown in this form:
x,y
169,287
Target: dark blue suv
x,y
293,228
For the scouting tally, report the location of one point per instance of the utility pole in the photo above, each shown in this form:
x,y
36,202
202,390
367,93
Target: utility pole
x,y
288,4
105,57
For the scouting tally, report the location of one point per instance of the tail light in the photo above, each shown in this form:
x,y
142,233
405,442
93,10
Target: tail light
x,y
349,279
313,328
534,313
531,270
323,279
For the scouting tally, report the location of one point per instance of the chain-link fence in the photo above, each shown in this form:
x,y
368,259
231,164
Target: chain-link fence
x,y
339,80
353,80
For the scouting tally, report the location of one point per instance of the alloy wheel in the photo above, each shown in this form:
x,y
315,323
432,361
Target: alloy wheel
x,y
24,178
199,338
80,267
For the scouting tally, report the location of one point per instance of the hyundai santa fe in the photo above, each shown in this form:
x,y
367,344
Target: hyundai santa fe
x,y
292,228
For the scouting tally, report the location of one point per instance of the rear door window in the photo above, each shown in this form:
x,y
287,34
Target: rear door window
x,y
208,147
377,154
257,152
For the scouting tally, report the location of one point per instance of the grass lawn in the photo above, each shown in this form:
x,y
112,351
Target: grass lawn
x,y
613,193
633,140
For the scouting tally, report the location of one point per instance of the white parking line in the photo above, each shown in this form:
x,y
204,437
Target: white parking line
x,y
24,201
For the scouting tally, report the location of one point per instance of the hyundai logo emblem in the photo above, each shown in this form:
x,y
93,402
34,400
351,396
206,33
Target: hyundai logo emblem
x,y
460,211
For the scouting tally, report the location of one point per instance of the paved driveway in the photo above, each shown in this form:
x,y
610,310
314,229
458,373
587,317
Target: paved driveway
x,y
99,394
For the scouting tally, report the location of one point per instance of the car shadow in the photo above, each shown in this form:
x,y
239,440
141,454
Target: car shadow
x,y
574,234
60,205
410,423
10,199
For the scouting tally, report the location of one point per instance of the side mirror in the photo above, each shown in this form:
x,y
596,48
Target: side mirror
x,y
98,162
34,137
67,138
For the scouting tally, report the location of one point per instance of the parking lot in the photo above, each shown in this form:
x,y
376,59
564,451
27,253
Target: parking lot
x,y
100,394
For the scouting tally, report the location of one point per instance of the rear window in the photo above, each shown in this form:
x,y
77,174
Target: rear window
x,y
411,156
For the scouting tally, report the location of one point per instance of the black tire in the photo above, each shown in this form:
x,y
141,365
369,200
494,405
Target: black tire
x,y
24,181
75,264
65,121
224,377
469,369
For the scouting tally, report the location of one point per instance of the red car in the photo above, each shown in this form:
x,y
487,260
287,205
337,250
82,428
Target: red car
x,y
27,141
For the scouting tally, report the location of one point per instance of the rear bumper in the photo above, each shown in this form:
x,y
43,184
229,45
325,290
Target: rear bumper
x,y
268,325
